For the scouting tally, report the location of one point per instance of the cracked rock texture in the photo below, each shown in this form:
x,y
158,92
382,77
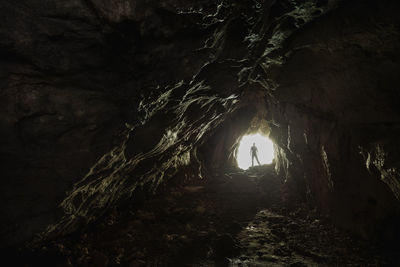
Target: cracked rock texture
x,y
104,102
338,98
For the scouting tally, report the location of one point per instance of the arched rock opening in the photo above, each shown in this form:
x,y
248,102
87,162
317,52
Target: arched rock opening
x,y
249,118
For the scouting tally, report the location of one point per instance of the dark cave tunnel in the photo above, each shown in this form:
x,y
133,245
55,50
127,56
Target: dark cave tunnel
x,y
120,122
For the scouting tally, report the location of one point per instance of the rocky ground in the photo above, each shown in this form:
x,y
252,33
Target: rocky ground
x,y
236,219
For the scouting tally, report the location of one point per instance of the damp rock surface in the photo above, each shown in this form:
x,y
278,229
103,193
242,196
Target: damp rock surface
x,y
229,221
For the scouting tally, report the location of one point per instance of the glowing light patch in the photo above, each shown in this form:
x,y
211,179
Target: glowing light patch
x,y
265,150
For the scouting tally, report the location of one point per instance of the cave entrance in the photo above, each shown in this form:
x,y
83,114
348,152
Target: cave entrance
x,y
265,150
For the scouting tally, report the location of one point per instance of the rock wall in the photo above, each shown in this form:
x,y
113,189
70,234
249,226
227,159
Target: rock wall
x,y
112,83
336,106
58,112
105,99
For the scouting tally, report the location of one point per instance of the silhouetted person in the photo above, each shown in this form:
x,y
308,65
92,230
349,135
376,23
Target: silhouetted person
x,y
253,153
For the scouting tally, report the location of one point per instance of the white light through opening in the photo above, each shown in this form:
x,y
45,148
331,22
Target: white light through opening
x,y
265,150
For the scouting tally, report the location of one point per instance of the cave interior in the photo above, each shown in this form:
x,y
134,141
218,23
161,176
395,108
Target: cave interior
x,y
121,122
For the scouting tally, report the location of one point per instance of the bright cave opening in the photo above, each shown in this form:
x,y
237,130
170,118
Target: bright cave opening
x,y
265,150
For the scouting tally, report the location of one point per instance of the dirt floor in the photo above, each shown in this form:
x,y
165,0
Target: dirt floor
x,y
235,219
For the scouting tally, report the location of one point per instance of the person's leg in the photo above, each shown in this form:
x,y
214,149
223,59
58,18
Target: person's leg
x,y
258,160
252,160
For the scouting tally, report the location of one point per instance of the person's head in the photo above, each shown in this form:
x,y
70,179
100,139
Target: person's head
x,y
254,144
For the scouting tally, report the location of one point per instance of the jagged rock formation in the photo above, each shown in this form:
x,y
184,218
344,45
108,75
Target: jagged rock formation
x,y
340,110
138,93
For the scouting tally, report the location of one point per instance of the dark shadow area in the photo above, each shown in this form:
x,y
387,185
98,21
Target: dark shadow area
x,y
240,218
120,122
